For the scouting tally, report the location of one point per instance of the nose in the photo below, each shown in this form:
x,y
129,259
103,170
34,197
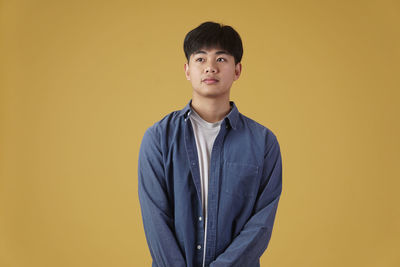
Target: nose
x,y
211,68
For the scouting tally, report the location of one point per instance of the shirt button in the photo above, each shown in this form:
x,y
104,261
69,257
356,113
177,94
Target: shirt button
x,y
198,247
200,218
193,163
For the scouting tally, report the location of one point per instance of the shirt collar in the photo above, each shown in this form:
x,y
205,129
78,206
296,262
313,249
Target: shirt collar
x,y
231,118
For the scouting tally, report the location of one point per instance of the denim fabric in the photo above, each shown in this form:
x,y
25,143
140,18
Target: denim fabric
x,y
245,185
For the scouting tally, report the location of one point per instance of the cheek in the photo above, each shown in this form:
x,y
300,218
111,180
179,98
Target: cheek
x,y
230,73
195,75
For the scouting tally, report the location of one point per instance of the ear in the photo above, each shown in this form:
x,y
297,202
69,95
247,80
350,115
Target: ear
x,y
187,71
238,71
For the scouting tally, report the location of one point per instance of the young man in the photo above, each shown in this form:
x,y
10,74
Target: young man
x,y
210,178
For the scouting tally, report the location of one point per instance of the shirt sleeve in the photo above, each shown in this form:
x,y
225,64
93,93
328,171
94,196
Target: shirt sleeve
x,y
252,241
157,214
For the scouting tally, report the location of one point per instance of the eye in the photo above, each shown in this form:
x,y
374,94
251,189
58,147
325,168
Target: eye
x,y
200,59
221,59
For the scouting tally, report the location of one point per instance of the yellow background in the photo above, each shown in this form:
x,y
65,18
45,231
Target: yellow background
x,y
81,82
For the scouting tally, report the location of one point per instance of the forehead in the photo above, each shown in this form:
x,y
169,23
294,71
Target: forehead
x,y
210,51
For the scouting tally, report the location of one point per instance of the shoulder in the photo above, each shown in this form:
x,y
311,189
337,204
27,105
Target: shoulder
x,y
264,137
258,129
160,127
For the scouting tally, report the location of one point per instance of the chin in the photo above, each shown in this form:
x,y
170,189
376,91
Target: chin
x,y
210,93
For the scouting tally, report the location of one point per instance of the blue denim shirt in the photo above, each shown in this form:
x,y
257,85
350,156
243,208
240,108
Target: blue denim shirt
x,y
245,185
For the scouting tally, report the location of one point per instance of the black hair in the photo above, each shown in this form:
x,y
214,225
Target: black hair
x,y
210,34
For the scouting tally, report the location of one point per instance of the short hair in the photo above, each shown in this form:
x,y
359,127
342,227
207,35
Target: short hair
x,y
210,34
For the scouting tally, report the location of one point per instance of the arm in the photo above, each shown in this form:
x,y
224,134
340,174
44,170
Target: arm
x,y
253,240
157,215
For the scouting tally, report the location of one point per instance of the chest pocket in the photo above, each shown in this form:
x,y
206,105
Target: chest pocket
x,y
240,179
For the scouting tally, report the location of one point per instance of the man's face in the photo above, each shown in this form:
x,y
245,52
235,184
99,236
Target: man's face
x,y
212,72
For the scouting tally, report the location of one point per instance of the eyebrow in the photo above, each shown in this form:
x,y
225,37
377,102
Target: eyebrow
x,y
219,52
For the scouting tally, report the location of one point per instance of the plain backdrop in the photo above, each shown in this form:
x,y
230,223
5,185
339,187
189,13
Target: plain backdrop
x,y
81,81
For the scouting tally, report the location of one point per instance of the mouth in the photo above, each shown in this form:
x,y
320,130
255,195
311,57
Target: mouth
x,y
210,81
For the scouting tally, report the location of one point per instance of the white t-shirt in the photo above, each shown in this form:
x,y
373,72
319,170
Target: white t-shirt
x,y
205,133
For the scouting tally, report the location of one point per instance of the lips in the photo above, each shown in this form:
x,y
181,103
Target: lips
x,y
210,80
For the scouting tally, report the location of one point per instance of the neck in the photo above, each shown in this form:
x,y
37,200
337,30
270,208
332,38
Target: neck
x,y
211,109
